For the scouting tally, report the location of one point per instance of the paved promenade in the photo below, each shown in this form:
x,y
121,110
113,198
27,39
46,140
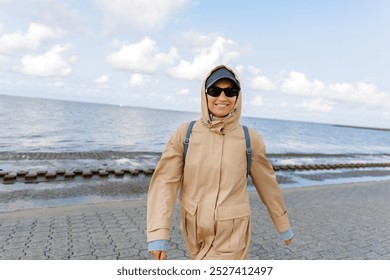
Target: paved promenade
x,y
348,221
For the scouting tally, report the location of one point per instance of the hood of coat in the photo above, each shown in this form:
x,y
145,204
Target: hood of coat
x,y
228,122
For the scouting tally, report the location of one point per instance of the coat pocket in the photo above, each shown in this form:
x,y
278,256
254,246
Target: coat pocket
x,y
188,224
232,228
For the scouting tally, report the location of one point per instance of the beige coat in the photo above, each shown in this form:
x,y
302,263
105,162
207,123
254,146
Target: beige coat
x,y
214,202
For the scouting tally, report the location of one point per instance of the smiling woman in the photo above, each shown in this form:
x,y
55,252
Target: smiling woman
x,y
215,210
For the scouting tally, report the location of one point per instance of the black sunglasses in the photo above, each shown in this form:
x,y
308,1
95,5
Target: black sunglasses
x,y
229,92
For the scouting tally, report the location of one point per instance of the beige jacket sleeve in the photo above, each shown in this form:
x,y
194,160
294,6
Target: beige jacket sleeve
x,y
264,179
164,187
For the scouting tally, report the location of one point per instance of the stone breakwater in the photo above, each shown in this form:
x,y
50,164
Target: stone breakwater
x,y
106,165
66,175
65,166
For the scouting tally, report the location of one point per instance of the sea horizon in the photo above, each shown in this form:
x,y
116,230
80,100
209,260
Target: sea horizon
x,y
198,112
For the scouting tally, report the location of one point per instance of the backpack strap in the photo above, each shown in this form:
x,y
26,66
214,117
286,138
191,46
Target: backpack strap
x,y
248,150
187,140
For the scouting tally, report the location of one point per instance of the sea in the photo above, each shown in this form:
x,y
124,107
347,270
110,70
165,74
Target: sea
x,y
40,134
41,125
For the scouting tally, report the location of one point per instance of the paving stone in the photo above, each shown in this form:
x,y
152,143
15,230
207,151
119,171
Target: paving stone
x,y
14,246
109,257
34,257
124,245
12,255
59,235
82,251
34,254
18,239
128,253
80,235
61,240
84,257
21,234
4,231
104,251
330,222
38,244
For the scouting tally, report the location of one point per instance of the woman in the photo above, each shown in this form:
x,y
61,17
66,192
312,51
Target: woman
x,y
214,202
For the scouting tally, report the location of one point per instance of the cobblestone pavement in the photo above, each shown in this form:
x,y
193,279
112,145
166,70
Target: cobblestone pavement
x,y
349,221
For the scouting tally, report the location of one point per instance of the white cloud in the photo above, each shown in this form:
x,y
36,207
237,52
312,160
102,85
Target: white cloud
x,y
254,71
360,93
256,102
194,40
58,84
3,59
61,14
313,105
29,40
317,105
357,94
103,79
52,63
142,57
51,13
239,69
385,115
221,51
183,91
298,84
138,80
262,83
258,81
147,14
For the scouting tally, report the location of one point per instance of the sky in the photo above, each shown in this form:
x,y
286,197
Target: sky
x,y
315,61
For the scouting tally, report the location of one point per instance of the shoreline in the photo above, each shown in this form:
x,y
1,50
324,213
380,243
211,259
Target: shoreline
x,y
131,202
70,194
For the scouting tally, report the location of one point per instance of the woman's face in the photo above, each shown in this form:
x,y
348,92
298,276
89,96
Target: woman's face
x,y
222,105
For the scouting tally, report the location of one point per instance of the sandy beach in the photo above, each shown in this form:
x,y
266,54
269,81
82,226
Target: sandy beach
x,y
331,222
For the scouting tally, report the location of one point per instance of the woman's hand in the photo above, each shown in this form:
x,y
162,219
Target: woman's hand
x,y
159,255
288,242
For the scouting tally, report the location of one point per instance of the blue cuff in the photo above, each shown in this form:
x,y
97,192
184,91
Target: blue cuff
x,y
288,234
158,245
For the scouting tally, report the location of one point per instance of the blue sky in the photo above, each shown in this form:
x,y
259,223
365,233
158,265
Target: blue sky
x,y
320,61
